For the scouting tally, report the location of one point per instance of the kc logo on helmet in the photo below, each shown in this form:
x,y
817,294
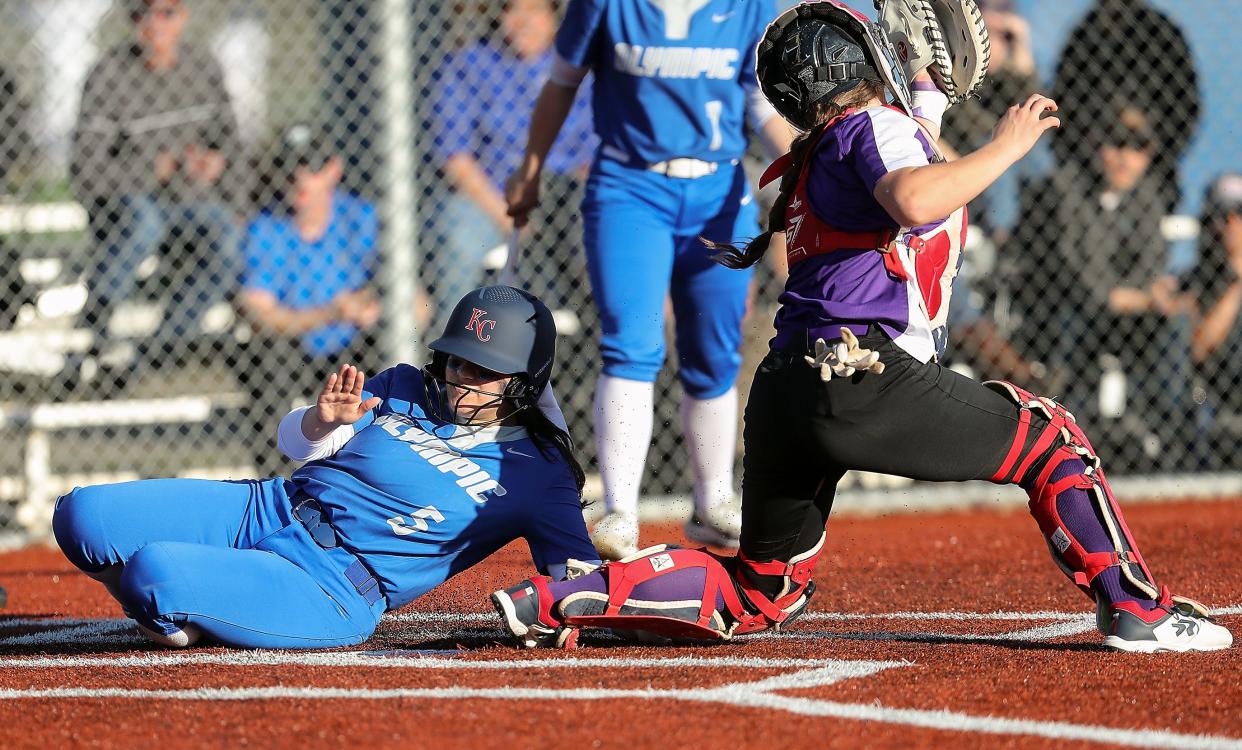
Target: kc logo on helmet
x,y
478,323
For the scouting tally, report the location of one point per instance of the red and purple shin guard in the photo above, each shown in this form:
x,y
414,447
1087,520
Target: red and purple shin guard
x,y
1072,502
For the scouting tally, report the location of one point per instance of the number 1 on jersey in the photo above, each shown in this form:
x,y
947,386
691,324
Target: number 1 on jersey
x,y
714,108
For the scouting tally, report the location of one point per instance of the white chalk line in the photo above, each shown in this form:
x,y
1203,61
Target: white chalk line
x,y
1059,629
119,631
758,694
390,659
464,617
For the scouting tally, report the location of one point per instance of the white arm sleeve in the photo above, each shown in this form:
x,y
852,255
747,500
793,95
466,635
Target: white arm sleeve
x,y
929,105
565,74
294,444
758,109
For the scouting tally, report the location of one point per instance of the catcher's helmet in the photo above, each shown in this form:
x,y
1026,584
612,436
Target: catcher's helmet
x,y
505,330
817,50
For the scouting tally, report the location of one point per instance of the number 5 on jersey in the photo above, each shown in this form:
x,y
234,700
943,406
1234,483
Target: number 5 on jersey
x,y
417,521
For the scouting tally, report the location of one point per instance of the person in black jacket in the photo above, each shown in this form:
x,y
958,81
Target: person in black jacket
x,y
1216,283
1092,233
1135,54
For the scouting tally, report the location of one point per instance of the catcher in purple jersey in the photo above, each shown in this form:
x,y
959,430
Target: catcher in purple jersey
x,y
874,224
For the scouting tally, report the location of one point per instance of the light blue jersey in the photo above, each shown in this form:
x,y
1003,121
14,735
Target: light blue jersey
x,y
420,506
409,510
685,65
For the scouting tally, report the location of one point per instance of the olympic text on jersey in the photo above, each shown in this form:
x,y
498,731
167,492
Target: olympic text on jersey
x,y
474,480
675,62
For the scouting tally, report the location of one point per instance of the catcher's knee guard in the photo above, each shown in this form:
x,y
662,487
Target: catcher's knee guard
x,y
1060,440
689,594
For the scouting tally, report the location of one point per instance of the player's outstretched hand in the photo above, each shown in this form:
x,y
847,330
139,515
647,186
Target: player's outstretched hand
x,y
1022,124
340,401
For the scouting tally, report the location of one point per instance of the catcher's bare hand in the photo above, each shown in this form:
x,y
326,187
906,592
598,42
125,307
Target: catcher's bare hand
x,y
340,402
1022,124
844,358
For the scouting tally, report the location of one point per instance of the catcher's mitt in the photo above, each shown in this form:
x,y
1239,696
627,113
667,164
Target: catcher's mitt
x,y
947,34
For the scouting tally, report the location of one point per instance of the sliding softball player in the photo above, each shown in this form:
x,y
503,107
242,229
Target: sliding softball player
x,y
410,478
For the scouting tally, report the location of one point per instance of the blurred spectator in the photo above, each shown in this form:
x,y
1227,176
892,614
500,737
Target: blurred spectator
x,y
16,145
1216,284
1100,295
16,149
1126,50
968,125
482,101
63,35
154,161
310,256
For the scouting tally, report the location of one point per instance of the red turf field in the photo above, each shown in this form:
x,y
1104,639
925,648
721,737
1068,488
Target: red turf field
x,y
927,631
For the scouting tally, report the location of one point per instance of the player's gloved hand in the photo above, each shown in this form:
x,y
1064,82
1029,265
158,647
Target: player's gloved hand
x,y
844,358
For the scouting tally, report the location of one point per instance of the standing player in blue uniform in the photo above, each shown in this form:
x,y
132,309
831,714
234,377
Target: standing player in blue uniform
x,y
674,84
411,477
873,218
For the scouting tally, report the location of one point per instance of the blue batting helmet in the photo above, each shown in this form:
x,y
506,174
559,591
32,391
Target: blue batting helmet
x,y
505,330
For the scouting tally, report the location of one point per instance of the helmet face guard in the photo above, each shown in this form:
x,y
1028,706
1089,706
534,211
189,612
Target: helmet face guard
x,y
819,49
498,328
441,407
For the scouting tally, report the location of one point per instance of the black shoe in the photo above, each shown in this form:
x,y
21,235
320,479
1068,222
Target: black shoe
x,y
522,610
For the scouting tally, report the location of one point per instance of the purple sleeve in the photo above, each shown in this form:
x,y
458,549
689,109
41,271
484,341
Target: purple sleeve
x,y
882,141
576,39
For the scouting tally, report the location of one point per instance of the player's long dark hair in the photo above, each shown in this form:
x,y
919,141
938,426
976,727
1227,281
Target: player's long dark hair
x,y
549,438
732,256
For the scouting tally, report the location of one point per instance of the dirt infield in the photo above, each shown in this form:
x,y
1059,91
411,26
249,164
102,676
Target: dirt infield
x,y
928,630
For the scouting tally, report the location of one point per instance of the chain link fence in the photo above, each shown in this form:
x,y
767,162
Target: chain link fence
x,y
206,205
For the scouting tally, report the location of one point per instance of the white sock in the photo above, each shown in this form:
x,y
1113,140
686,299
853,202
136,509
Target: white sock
x,y
710,428
623,418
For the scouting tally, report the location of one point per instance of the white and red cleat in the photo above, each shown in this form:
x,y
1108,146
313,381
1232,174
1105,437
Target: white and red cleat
x,y
1176,625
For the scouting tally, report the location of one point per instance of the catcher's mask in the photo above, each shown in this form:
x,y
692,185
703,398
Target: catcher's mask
x,y
497,328
820,49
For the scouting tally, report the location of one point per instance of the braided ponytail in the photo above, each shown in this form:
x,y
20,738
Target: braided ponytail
x,y
732,256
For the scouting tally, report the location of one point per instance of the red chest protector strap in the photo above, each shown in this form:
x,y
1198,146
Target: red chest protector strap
x,y
827,239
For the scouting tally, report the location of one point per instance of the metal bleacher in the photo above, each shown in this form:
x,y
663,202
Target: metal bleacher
x,y
181,416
